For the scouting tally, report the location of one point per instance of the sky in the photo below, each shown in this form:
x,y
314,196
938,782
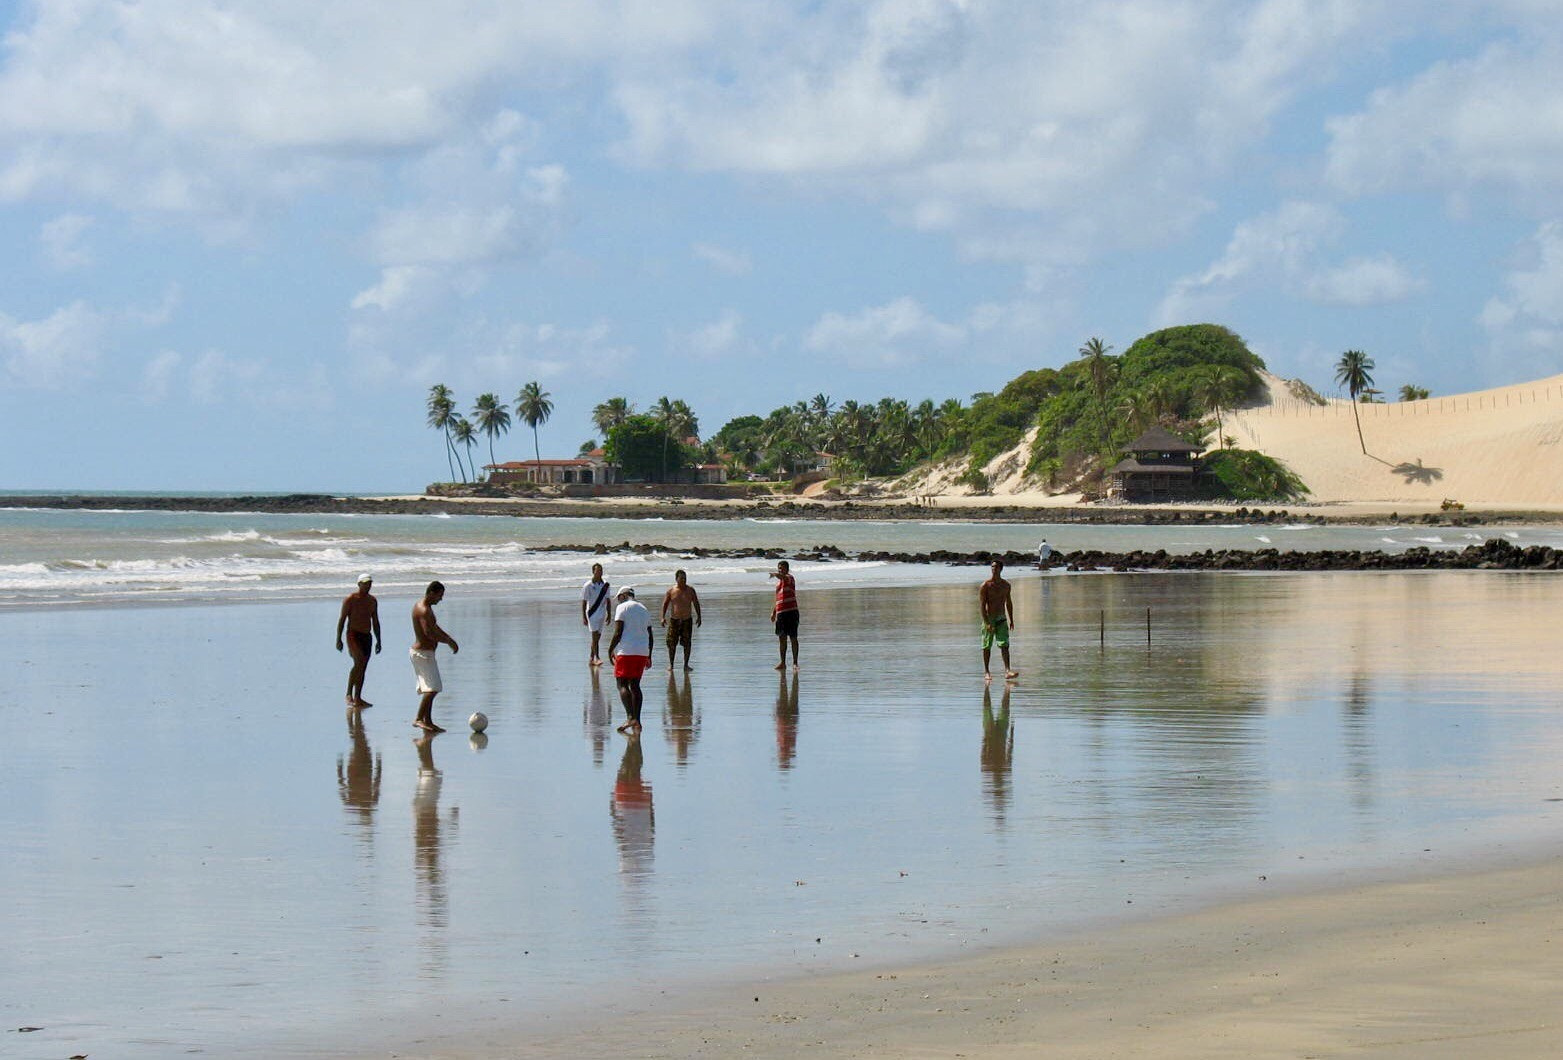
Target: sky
x,y
240,241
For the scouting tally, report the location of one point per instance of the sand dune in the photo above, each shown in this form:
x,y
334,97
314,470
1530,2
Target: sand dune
x,y
1489,447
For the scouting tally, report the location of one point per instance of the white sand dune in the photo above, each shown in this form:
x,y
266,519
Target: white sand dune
x,y
1501,447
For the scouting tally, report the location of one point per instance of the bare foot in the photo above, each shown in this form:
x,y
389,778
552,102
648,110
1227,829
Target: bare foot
x,y
625,728
426,726
781,666
436,728
1010,675
596,661
362,703
987,676
688,668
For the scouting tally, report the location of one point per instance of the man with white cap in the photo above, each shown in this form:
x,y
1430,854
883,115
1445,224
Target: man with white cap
x,y
630,651
360,616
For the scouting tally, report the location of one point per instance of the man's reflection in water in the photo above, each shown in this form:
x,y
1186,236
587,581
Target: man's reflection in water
x,y
595,718
679,720
786,720
433,898
998,751
358,776
633,828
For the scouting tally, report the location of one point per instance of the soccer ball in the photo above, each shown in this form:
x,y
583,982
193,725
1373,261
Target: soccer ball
x,y
478,721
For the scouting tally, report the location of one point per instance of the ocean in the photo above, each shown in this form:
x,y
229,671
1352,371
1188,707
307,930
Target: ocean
x,y
208,853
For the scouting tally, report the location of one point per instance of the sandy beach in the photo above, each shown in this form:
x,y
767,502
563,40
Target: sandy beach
x,y
1460,966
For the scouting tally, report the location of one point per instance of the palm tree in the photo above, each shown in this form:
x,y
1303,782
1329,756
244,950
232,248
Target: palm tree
x,y
492,418
1354,371
462,430
1412,392
1099,368
1219,385
611,413
441,405
534,408
677,421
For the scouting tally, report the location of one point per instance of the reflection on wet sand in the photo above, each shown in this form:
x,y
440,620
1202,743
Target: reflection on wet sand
x,y
634,825
358,777
595,717
998,752
433,895
680,722
786,720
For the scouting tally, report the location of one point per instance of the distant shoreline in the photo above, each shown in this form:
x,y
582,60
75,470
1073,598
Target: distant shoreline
x,y
329,504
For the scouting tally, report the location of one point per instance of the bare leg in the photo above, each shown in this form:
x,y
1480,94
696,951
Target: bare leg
x,y
596,637
781,647
425,718
987,653
1008,670
794,652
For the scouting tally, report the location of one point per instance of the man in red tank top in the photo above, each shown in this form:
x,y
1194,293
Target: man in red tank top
x,y
784,613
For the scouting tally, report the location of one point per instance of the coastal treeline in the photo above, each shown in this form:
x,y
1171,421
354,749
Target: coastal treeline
x,y
1084,414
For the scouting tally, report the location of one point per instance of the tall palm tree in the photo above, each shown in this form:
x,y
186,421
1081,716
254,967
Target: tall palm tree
x,y
441,406
1354,371
1099,368
492,418
1219,385
611,413
463,432
678,422
534,408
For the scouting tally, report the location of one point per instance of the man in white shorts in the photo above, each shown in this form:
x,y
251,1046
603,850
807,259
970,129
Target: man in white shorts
x,y
596,605
427,636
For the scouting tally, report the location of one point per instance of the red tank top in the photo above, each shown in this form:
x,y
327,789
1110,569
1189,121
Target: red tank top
x,y
786,594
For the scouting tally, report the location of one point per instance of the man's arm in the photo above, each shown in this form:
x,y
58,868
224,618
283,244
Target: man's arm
x,y
1009,608
583,610
667,601
694,598
374,618
618,633
341,621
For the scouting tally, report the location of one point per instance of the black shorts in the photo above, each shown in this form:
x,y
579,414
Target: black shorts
x,y
787,623
364,642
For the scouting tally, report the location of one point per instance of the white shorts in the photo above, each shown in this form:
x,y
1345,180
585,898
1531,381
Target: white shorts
x,y
427,670
597,619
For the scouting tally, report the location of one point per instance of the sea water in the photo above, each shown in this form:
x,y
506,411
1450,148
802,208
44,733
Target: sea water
x,y
206,852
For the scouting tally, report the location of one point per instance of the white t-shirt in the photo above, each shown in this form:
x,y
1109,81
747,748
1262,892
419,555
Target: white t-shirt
x,y
636,638
588,594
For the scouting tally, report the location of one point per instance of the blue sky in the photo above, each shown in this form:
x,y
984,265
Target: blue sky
x,y
241,241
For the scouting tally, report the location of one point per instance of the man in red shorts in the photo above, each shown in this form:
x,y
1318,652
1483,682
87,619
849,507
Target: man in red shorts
x,y
630,651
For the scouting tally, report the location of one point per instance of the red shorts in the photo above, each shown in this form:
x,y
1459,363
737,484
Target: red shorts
x,y
630,665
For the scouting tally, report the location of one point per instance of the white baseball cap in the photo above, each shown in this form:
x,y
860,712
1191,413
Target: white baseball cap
x,y
362,578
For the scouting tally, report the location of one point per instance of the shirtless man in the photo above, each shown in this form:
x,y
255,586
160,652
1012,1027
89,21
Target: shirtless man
x,y
684,602
360,617
596,606
426,637
998,616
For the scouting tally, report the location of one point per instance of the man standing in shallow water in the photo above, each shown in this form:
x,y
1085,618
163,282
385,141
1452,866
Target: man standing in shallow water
x,y
784,613
684,602
998,615
360,617
426,637
595,606
632,643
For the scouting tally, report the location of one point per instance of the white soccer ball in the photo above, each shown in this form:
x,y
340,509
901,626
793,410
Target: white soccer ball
x,y
478,721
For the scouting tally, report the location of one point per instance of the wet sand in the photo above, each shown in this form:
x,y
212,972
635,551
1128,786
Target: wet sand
x,y
1463,966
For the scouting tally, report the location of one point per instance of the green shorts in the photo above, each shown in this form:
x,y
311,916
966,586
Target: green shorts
x,y
994,632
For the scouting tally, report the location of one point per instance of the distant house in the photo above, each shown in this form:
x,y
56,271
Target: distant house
x,y
590,469
1159,466
709,473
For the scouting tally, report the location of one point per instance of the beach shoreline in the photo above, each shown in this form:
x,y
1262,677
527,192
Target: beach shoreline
x,y
1428,964
1040,509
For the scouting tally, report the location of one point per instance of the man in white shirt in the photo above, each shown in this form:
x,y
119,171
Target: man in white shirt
x,y
630,650
596,605
1044,555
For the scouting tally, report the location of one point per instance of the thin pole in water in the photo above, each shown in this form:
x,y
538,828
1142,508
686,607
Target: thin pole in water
x,y
1101,628
1147,627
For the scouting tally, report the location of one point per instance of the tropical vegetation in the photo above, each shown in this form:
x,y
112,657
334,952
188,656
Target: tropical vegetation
x,y
1354,371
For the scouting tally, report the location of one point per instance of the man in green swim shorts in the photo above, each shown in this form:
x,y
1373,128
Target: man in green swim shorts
x,y
998,616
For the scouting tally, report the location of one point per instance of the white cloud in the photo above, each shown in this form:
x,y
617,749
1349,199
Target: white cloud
x,y
729,262
896,333
1495,119
157,376
399,286
1285,250
722,338
1032,130
1524,325
60,350
1364,282
63,242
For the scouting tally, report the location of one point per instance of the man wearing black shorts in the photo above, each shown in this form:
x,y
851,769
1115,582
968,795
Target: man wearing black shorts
x,y
680,614
784,613
360,617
